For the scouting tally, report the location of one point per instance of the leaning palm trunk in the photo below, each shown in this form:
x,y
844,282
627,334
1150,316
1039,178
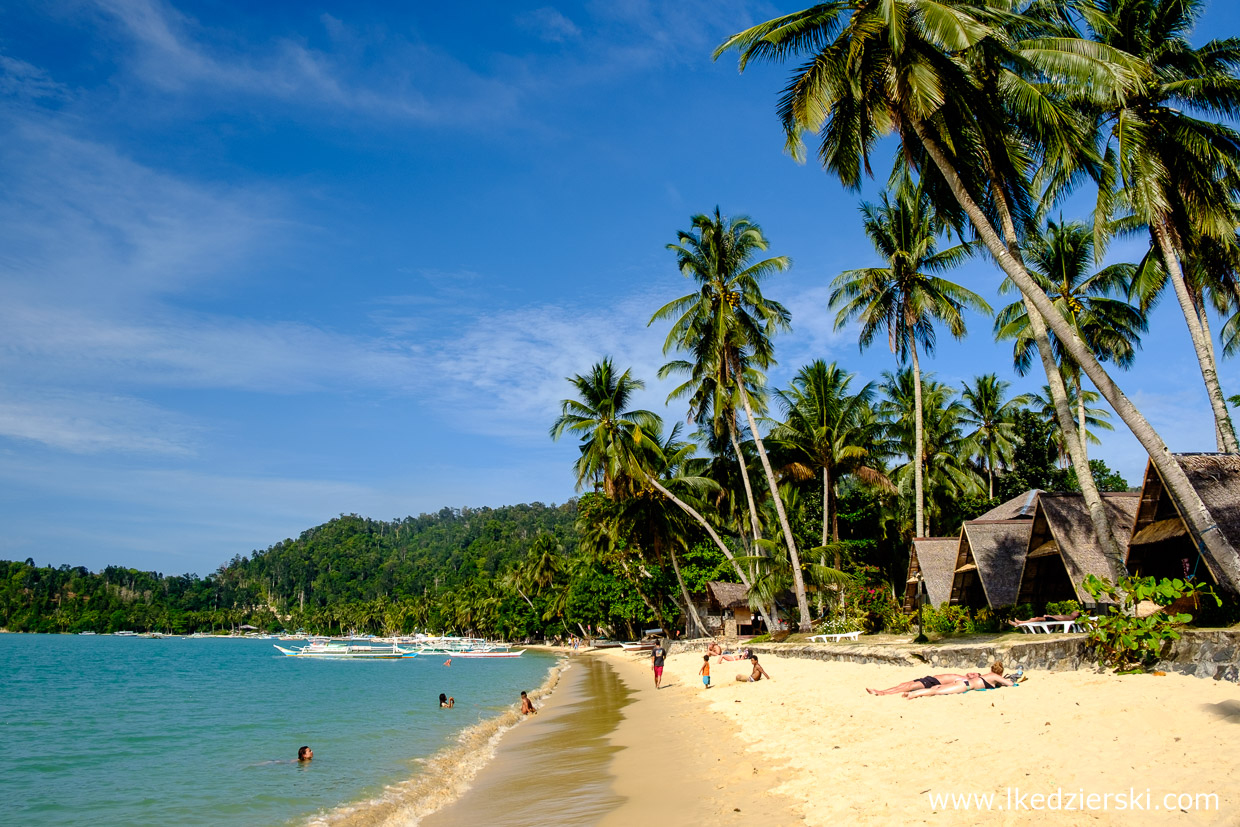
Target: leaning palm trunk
x,y
919,437
1080,419
1208,337
1199,520
740,459
727,552
698,626
1205,360
1073,438
798,579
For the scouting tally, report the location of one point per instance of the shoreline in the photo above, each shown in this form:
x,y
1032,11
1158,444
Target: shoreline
x,y
444,777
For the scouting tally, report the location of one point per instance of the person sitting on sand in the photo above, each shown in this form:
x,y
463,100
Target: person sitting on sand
x,y
705,671
714,649
304,754
527,706
757,674
992,680
1045,619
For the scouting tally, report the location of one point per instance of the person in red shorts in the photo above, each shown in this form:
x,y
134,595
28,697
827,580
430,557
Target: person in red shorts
x,y
656,658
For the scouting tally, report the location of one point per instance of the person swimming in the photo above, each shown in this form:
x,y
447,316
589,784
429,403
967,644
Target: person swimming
x,y
304,754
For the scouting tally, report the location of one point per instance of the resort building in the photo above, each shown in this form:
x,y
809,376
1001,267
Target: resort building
x,y
991,554
1161,545
1063,549
932,559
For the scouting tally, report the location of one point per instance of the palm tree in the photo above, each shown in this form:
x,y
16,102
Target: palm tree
x,y
1177,173
1091,418
904,299
882,66
827,429
991,417
1059,259
615,442
726,326
942,451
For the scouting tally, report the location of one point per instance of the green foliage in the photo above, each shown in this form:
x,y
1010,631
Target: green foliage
x,y
1063,607
1033,460
1104,478
1121,639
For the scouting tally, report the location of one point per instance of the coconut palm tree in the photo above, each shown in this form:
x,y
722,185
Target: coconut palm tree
x,y
882,66
1059,259
990,415
905,298
1177,172
726,325
942,450
1092,419
829,431
616,443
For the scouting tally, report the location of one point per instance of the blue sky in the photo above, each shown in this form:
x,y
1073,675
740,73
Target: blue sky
x,y
264,264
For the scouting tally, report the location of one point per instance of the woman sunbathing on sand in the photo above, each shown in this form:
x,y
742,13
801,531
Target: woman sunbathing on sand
x,y
992,680
928,682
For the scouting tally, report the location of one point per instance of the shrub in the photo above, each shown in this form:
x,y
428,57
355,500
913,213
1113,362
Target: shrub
x,y
1063,607
1121,639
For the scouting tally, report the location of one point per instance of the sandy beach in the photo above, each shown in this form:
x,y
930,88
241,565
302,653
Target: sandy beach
x,y
817,749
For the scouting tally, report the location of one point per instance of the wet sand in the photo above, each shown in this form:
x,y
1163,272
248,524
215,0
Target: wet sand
x,y
553,767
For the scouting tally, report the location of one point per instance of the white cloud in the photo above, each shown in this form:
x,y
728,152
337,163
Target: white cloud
x,y
549,24
89,423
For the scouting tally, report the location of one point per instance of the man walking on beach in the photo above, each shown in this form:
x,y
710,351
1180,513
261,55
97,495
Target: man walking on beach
x,y
656,657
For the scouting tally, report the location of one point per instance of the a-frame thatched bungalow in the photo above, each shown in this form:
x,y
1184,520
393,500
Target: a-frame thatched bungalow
x,y
1063,549
1161,545
934,558
991,554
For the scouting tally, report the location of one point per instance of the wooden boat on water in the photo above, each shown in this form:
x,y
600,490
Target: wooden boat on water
x,y
340,650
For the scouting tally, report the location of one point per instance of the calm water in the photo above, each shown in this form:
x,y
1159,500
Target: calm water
x,y
124,731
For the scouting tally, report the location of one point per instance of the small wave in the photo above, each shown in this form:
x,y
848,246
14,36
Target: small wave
x,y
442,778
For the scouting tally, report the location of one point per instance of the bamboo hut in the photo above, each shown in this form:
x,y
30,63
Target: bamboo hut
x,y
1063,549
933,558
726,609
991,554
1161,545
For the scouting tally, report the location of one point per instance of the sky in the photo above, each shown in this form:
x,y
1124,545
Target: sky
x,y
263,264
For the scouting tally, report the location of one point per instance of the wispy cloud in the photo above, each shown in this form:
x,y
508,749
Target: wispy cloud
x,y
90,423
549,24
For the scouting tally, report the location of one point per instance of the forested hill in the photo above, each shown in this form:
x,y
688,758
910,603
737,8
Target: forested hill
x,y
350,560
357,559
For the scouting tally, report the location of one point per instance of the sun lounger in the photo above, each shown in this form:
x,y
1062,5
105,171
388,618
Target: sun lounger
x,y
1046,627
835,638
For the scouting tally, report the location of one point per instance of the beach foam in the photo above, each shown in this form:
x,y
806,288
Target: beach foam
x,y
442,778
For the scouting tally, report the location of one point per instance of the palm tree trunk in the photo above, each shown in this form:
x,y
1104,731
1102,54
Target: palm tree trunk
x,y
1204,359
919,513
740,459
826,508
1072,438
798,579
692,512
1080,418
684,592
1203,316
1198,519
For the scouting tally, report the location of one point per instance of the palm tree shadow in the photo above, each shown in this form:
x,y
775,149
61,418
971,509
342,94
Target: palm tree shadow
x,y
1227,710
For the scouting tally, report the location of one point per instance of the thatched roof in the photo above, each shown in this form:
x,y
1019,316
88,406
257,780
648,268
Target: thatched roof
x,y
1216,478
727,595
1062,528
934,558
1021,506
993,551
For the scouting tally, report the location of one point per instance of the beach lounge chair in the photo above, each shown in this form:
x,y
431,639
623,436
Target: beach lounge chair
x,y
834,638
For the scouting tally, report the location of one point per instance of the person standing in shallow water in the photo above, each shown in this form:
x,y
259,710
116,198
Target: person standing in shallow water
x,y
657,656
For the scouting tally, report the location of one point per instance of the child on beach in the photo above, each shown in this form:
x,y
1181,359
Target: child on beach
x,y
527,706
705,671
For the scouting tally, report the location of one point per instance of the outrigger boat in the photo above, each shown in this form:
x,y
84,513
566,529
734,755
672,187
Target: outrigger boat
x,y
351,651
463,647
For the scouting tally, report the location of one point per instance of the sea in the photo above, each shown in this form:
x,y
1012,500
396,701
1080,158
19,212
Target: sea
x,y
106,730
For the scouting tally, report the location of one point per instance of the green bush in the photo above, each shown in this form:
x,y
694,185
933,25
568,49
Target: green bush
x,y
1063,607
1121,640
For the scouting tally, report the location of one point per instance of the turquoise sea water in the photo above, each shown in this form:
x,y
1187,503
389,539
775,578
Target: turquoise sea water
x,y
125,731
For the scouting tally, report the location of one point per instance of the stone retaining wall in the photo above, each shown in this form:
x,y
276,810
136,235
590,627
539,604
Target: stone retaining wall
x,y
1203,654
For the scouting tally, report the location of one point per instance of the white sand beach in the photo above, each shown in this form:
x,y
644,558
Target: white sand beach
x,y
813,747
